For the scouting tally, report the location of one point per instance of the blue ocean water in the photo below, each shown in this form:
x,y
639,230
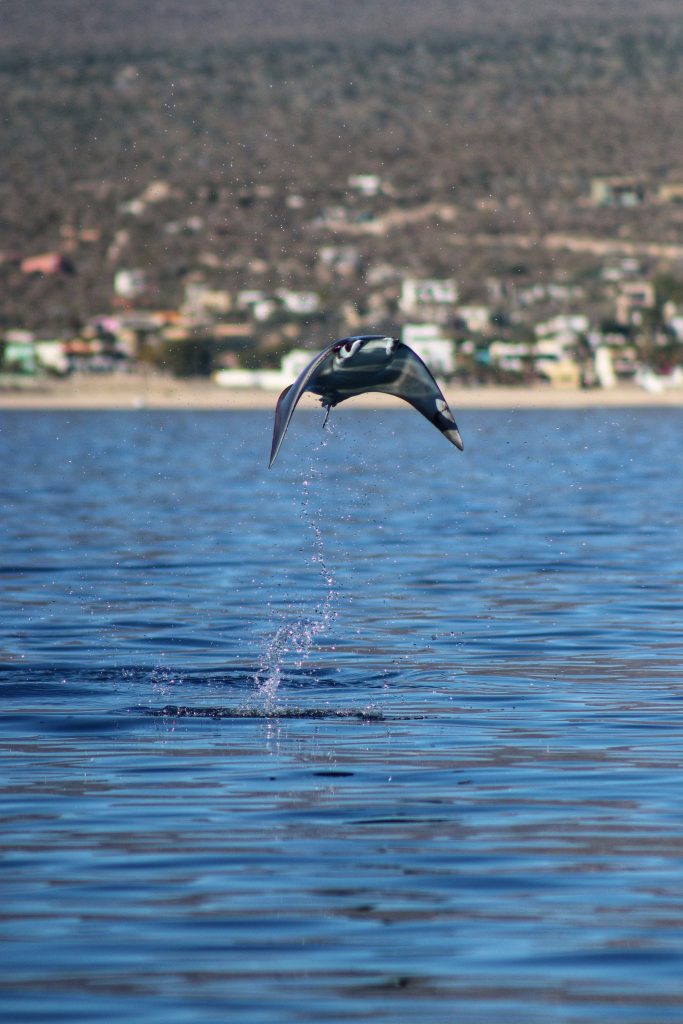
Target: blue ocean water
x,y
387,733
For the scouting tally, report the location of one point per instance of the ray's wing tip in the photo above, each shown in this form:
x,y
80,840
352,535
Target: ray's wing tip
x,y
275,449
452,434
280,425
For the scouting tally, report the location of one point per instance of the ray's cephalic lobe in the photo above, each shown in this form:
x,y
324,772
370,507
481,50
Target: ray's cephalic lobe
x,y
356,365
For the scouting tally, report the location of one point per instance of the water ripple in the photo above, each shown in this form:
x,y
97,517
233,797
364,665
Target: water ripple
x,y
394,736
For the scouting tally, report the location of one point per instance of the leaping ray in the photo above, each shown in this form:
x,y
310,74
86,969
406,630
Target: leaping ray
x,y
354,366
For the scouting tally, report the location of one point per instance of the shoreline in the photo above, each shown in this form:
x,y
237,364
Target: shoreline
x,y
141,391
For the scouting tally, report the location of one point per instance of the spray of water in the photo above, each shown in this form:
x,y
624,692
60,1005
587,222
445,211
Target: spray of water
x,y
296,636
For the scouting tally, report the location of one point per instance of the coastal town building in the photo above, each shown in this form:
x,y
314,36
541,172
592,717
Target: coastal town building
x,y
437,351
633,298
428,299
625,191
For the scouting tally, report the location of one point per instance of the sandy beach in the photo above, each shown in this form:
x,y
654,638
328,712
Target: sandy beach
x,y
152,391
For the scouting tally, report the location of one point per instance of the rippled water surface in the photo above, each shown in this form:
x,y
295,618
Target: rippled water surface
x,y
386,733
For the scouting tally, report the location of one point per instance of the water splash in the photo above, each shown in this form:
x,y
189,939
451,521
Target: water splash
x,y
297,636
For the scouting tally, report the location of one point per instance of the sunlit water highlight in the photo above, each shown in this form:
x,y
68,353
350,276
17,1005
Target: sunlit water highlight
x,y
451,793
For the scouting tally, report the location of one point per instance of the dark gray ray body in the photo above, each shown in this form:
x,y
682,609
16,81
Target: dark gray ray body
x,y
354,366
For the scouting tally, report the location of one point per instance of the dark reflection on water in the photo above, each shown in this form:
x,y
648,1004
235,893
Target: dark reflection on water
x,y
388,733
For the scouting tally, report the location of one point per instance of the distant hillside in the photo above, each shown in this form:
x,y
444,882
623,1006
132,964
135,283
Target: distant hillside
x,y
61,26
249,120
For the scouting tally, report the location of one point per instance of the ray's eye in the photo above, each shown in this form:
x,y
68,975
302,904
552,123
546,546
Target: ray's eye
x,y
347,349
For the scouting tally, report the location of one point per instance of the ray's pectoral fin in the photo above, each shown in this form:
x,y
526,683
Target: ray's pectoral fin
x,y
283,414
416,385
287,402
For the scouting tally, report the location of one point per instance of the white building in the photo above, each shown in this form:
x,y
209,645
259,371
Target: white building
x,y
431,346
367,184
294,361
248,296
342,260
419,295
261,380
264,310
130,284
200,298
633,298
475,318
52,355
510,355
564,325
291,366
299,303
604,367
656,383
